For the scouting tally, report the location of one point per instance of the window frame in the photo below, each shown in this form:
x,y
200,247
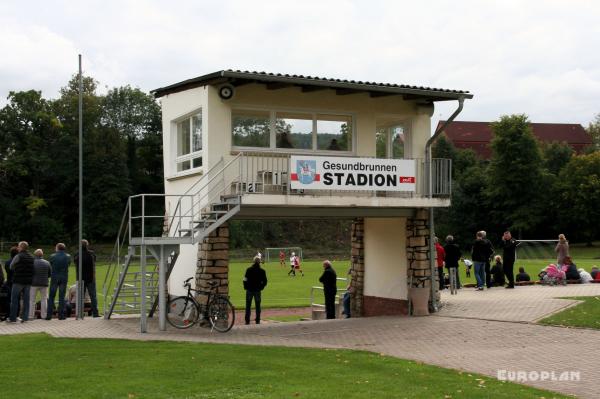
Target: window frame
x,y
177,159
314,113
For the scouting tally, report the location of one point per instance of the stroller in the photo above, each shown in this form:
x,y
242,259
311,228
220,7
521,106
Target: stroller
x,y
4,302
553,275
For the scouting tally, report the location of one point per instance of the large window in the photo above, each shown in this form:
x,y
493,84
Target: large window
x,y
251,128
334,133
294,130
305,131
189,143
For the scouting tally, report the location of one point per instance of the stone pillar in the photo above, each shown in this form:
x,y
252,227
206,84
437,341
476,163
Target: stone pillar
x,y
417,249
357,268
213,261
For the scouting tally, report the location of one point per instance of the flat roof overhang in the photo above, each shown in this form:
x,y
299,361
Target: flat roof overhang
x,y
309,84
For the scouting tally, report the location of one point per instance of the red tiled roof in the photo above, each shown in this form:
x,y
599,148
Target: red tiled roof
x,y
477,135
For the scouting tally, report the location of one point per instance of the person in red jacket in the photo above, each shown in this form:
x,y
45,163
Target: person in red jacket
x,y
440,257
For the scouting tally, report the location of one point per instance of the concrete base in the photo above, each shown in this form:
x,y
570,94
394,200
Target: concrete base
x,y
376,306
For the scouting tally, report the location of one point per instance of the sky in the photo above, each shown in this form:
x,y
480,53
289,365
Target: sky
x,y
540,58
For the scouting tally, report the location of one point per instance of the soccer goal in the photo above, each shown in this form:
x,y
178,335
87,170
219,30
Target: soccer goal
x,y
272,254
537,250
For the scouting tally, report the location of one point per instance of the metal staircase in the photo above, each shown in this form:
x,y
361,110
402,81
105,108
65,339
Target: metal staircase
x,y
148,244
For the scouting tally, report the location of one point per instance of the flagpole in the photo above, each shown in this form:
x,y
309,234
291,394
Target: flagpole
x,y
80,289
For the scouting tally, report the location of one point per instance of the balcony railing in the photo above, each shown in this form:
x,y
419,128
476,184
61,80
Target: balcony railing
x,y
261,173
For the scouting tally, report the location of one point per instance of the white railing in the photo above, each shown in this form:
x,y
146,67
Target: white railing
x,y
261,173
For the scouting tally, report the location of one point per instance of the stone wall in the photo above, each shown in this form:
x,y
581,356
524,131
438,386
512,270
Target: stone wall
x,y
213,261
357,267
417,249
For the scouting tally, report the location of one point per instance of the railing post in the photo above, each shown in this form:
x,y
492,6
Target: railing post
x,y
143,217
129,222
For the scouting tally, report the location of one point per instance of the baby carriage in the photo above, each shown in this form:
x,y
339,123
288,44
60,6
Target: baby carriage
x,y
553,275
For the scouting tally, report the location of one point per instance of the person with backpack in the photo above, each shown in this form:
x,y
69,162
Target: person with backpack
x,y
255,280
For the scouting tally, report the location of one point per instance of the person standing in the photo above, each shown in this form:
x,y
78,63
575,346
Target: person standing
x,y
329,281
281,258
439,259
561,249
509,254
88,266
255,280
22,268
59,261
39,283
453,255
479,254
292,265
488,269
9,273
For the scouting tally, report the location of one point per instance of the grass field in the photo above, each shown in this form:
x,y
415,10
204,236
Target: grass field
x,y
46,367
586,314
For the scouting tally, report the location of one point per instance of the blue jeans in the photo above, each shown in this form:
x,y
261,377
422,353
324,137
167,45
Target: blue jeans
x,y
249,296
59,283
14,301
480,273
90,287
346,303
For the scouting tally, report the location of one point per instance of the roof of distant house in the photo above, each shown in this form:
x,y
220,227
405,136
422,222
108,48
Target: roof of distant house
x,y
313,83
477,135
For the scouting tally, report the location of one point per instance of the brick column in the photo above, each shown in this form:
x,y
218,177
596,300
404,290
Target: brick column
x,y
213,261
357,268
417,248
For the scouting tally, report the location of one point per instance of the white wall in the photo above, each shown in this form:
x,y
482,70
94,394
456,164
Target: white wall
x,y
385,258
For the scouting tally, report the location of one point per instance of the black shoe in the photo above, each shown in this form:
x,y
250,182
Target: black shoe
x,y
247,323
509,286
48,318
96,316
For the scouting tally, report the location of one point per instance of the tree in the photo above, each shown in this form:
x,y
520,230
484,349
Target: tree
x,y
515,174
556,156
579,193
594,131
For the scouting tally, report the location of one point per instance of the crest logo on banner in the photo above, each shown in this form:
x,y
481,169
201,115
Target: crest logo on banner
x,y
306,170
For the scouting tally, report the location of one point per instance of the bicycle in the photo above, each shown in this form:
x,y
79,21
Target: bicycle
x,y
185,311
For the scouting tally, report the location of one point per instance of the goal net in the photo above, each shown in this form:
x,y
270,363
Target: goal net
x,y
272,254
541,251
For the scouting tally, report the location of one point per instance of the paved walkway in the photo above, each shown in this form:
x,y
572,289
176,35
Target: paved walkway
x,y
477,331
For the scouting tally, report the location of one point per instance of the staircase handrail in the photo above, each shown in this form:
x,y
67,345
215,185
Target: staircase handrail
x,y
196,205
116,252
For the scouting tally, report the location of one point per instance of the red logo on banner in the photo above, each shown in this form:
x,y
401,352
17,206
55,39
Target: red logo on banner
x,y
294,177
407,179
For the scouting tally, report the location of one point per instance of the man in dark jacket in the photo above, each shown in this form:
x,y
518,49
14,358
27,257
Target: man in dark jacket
x,y
480,255
452,257
509,248
60,261
255,280
329,280
39,283
490,250
22,269
88,271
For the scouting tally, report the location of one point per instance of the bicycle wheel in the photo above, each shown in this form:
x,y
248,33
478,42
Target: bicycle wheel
x,y
221,314
182,312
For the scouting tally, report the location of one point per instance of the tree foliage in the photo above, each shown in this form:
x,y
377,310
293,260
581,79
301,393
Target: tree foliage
x,y
39,160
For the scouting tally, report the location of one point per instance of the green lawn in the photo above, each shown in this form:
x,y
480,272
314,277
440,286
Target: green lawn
x,y
586,314
45,367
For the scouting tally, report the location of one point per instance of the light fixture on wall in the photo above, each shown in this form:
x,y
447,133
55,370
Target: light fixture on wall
x,y
226,92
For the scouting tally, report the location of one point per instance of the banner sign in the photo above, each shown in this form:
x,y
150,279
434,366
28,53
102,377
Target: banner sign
x,y
341,173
